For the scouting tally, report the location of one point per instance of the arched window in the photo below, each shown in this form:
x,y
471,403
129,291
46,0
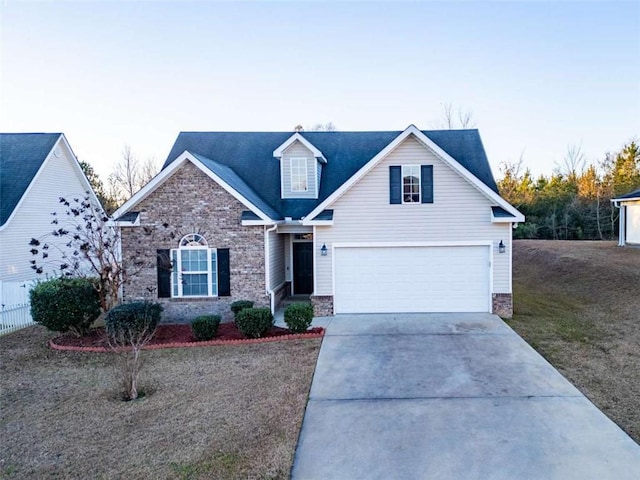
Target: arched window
x,y
195,268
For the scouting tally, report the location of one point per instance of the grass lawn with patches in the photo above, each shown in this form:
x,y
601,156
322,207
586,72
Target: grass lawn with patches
x,y
578,304
212,412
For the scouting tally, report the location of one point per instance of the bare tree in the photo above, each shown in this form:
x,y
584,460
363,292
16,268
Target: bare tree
x,y
323,127
453,118
573,164
129,175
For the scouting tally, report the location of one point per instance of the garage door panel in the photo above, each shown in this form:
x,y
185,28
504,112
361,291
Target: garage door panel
x,y
411,279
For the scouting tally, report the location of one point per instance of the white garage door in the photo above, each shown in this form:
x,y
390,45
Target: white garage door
x,y
412,279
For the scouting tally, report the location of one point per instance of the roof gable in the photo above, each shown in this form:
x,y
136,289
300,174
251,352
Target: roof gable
x,y
21,157
221,174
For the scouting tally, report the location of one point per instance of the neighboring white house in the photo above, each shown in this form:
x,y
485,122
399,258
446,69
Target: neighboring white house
x,y
629,206
36,169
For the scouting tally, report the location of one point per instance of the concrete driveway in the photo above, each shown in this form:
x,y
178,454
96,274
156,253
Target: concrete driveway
x,y
449,396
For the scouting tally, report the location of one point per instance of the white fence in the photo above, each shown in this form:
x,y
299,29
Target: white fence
x,y
14,306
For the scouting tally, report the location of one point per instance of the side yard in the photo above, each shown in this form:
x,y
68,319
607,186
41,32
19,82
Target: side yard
x,y
213,412
578,304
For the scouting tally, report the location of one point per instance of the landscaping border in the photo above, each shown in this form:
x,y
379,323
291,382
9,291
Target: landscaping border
x,y
207,343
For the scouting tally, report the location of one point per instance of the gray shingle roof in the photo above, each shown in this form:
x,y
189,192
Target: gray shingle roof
x,y
21,156
249,155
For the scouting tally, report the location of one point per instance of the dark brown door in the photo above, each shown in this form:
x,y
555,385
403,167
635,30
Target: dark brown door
x,y
303,268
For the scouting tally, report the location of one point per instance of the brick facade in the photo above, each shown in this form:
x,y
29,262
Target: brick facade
x,y
190,202
322,305
503,304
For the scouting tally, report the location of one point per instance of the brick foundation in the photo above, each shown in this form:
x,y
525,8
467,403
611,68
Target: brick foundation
x,y
191,202
322,305
503,304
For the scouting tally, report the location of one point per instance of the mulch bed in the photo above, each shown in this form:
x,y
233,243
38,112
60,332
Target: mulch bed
x,y
176,336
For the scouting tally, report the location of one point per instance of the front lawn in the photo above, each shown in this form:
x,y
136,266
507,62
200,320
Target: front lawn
x,y
211,412
578,304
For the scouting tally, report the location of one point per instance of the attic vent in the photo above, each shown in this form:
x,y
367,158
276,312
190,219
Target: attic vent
x,y
57,152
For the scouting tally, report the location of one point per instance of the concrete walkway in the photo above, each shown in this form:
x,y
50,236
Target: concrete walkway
x,y
449,396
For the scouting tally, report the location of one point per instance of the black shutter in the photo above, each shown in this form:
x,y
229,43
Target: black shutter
x,y
426,183
224,277
163,261
395,185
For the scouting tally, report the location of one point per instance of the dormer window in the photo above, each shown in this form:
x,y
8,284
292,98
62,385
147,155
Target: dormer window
x,y
299,176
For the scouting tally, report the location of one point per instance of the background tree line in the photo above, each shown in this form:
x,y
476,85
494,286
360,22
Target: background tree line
x,y
574,202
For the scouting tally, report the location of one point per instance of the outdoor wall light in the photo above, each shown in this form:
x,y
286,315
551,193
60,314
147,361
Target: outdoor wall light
x,y
323,250
501,247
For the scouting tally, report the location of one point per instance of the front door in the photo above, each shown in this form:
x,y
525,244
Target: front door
x,y
302,268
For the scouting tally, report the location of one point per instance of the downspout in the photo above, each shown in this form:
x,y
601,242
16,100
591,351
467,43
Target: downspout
x,y
267,269
621,223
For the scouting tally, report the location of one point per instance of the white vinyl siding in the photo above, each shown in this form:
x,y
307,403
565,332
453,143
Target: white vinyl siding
x,y
460,213
57,178
633,222
276,259
298,150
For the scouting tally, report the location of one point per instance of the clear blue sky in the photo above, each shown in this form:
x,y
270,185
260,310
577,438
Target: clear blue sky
x,y
537,76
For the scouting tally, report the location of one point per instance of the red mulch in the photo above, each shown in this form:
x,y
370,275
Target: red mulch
x,y
176,335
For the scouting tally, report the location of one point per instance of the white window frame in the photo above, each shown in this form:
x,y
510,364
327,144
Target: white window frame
x,y
190,243
297,166
409,169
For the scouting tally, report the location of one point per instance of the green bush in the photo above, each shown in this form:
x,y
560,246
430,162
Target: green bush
x,y
205,327
254,322
239,305
65,304
132,323
298,317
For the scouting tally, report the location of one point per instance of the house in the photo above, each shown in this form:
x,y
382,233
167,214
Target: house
x,y
36,169
404,221
629,206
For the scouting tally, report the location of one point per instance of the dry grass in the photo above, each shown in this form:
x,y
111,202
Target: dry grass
x,y
212,412
578,304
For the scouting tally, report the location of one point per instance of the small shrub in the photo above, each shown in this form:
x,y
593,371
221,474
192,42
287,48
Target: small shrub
x,y
129,322
254,322
65,304
239,305
298,317
130,326
205,327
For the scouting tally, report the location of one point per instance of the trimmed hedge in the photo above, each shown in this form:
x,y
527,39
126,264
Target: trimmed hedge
x,y
132,322
254,322
298,317
65,304
205,327
239,305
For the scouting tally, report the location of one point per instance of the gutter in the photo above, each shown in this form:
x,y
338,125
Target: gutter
x,y
621,222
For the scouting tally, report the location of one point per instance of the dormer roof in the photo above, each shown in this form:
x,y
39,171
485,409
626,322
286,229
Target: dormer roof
x,y
297,137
